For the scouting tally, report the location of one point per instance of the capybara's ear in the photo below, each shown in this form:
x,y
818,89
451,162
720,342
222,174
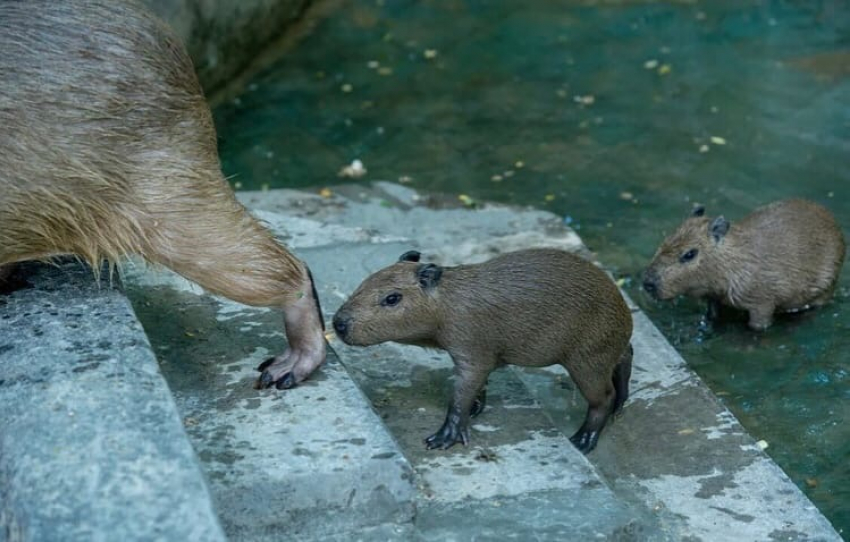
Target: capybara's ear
x,y
410,256
698,210
429,275
718,228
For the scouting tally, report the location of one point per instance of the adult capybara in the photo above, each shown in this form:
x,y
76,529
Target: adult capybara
x,y
782,257
534,307
107,148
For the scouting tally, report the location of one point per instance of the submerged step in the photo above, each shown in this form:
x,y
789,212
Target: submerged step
x,y
310,462
91,446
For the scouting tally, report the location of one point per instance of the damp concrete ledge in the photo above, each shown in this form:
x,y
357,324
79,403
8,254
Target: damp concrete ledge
x,y
341,457
91,445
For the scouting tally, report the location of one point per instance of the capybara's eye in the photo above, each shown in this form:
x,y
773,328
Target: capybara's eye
x,y
391,300
688,256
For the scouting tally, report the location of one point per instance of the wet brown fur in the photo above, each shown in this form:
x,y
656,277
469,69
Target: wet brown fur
x,y
783,257
534,307
107,148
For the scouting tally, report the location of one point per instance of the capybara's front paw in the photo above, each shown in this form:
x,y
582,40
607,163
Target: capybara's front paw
x,y
307,348
290,368
450,433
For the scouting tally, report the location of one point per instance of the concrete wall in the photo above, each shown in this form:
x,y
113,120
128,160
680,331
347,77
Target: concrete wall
x,y
224,36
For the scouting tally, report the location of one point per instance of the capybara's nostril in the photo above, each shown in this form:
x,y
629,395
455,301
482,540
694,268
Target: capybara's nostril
x,y
650,286
340,325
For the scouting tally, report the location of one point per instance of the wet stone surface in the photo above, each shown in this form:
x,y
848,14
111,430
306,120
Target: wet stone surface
x,y
313,461
90,440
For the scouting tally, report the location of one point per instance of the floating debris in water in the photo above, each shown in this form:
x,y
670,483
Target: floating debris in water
x,y
686,432
664,69
237,185
628,196
346,87
549,197
717,140
812,482
762,444
568,220
373,64
496,178
325,192
466,200
355,170
508,173
385,70
650,64
519,164
703,148
584,100
430,53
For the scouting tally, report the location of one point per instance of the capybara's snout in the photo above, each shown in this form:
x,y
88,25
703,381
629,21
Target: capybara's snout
x,y
342,324
651,284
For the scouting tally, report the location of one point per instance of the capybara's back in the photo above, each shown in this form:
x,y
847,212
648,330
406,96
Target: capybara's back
x,y
107,148
90,95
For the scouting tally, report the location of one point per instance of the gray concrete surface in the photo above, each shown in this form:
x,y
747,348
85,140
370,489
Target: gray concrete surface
x,y
91,447
341,457
676,452
313,461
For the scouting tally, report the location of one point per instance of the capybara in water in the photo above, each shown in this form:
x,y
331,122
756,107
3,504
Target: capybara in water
x,y
534,307
782,257
107,148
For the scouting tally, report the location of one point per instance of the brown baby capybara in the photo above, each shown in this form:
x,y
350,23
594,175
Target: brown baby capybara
x,y
534,307
782,257
107,148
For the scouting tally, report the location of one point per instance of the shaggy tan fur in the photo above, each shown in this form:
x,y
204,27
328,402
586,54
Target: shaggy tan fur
x,y
107,148
785,256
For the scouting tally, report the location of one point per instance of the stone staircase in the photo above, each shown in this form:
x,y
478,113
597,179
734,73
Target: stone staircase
x,y
341,457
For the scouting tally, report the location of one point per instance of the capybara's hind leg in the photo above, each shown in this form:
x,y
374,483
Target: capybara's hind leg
x,y
600,393
228,252
622,373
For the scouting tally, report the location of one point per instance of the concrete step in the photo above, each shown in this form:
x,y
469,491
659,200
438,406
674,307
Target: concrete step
x,y
91,446
310,462
675,452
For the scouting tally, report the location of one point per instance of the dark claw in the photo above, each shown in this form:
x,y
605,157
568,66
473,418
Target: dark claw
x,y
585,440
285,382
264,365
266,379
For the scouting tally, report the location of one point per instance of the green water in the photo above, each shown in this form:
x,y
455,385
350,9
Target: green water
x,y
616,116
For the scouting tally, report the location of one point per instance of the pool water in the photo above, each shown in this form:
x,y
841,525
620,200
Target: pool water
x,y
618,116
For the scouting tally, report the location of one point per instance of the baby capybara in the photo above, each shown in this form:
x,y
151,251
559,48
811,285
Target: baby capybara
x,y
107,148
782,257
534,307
